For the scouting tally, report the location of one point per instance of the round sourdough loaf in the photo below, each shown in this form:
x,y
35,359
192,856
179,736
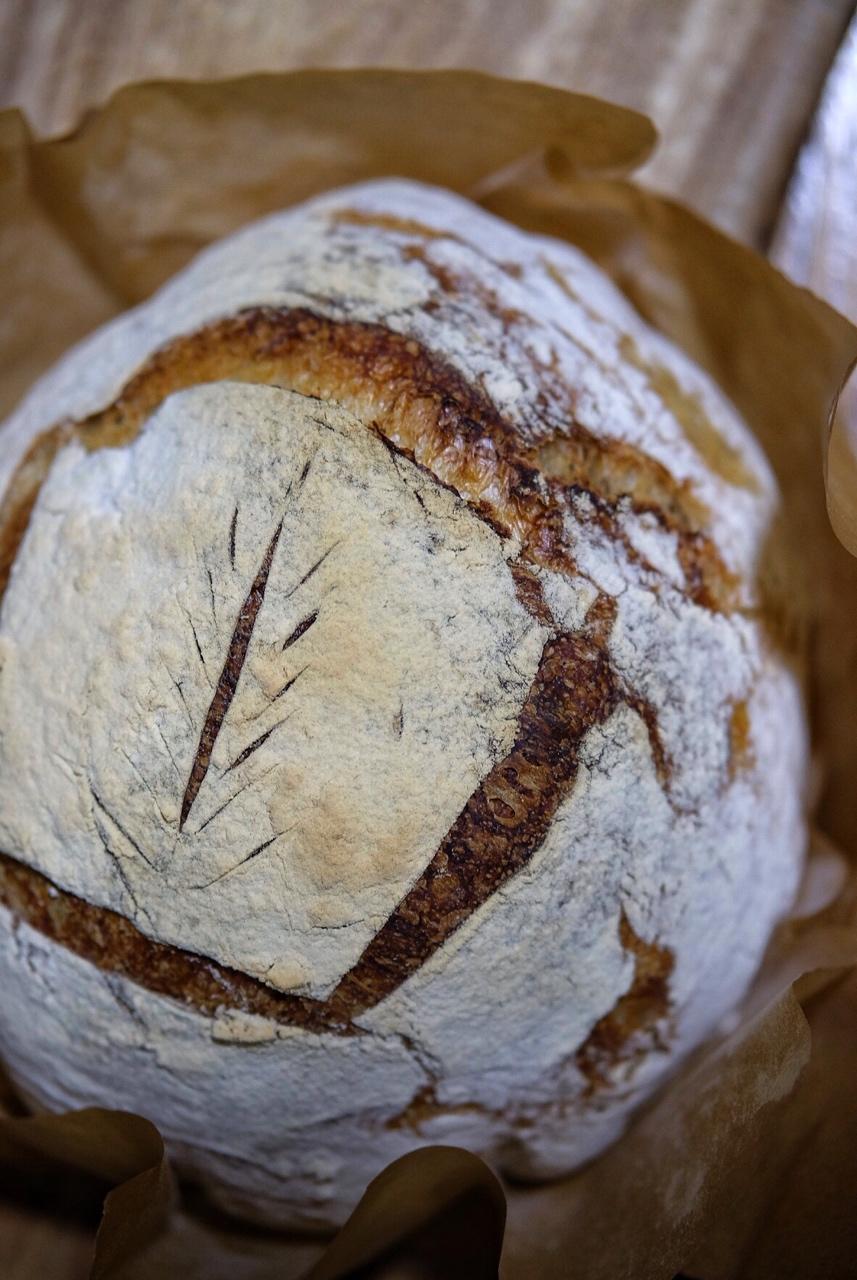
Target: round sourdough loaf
x,y
396,741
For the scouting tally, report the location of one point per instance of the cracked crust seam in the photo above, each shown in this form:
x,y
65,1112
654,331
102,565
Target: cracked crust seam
x,y
417,402
425,411
498,831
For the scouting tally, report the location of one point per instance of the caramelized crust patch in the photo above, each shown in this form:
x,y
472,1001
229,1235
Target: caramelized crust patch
x,y
423,409
419,403
112,943
639,1012
610,474
530,594
20,498
502,825
425,1106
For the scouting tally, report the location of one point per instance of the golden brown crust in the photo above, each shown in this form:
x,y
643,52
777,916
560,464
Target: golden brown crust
x,y
740,741
419,403
422,408
642,1009
20,498
425,1106
630,1029
112,943
530,594
497,832
503,823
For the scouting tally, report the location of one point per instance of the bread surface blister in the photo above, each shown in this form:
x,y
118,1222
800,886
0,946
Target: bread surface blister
x,y
400,738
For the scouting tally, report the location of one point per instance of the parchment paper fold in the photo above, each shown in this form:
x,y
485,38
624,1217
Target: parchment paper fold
x,y
745,1165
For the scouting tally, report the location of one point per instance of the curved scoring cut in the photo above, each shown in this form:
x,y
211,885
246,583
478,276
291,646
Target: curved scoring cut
x,y
500,828
418,402
443,832
423,409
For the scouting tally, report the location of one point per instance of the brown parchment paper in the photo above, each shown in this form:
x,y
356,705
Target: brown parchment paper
x,y
746,1164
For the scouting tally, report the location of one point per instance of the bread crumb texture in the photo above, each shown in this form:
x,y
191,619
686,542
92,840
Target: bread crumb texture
x,y
393,730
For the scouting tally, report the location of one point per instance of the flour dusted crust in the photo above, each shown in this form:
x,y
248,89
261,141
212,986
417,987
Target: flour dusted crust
x,y
398,723
413,659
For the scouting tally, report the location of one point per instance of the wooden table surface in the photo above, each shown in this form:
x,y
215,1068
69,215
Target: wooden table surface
x,y
733,86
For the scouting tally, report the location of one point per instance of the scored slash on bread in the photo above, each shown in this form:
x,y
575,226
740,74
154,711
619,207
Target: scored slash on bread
x,y
487,816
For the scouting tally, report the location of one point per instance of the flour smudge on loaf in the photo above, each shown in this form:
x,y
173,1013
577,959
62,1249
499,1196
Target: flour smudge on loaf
x,y
380,600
